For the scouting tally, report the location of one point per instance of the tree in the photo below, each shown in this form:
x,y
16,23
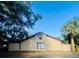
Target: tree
x,y
71,29
66,38
15,16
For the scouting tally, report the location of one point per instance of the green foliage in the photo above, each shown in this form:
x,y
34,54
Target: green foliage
x,y
77,47
71,28
15,16
66,38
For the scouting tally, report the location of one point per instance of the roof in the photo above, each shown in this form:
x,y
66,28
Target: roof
x,y
35,35
51,36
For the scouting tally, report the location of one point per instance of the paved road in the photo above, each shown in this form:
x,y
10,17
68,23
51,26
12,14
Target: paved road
x,y
16,55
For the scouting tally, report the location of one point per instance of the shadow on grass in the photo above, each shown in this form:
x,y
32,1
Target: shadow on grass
x,y
11,55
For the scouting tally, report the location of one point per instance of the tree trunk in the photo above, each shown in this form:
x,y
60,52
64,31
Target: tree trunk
x,y
72,44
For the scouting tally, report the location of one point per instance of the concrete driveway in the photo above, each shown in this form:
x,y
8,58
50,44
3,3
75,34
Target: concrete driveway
x,y
39,55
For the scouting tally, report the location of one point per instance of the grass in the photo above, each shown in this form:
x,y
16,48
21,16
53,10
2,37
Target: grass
x,y
33,53
37,53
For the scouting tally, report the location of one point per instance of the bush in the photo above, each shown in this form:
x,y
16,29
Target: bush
x,y
77,48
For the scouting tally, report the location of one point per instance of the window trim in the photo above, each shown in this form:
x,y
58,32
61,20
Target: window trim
x,y
40,45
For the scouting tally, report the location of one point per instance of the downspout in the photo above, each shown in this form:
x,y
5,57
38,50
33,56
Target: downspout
x,y
19,46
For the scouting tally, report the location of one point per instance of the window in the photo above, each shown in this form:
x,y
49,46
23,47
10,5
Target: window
x,y
40,45
40,38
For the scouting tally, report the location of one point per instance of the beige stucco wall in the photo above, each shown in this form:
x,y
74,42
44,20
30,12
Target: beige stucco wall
x,y
31,44
13,47
51,44
27,45
66,47
43,40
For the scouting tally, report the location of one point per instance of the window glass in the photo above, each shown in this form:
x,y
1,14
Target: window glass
x,y
40,38
40,45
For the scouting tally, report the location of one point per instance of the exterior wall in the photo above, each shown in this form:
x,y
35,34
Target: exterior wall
x,y
53,44
43,40
31,44
13,47
66,47
27,45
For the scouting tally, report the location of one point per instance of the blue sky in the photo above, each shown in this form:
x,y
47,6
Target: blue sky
x,y
54,15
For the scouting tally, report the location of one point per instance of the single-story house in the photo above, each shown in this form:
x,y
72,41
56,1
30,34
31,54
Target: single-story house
x,y
40,42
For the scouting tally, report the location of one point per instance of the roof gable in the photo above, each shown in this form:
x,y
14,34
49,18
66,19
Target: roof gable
x,y
37,34
44,34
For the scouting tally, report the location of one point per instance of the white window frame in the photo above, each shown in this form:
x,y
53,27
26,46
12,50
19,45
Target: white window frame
x,y
40,45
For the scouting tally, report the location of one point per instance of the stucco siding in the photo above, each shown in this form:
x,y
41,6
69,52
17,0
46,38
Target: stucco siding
x,y
25,45
66,47
13,47
50,44
43,40
53,44
32,44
